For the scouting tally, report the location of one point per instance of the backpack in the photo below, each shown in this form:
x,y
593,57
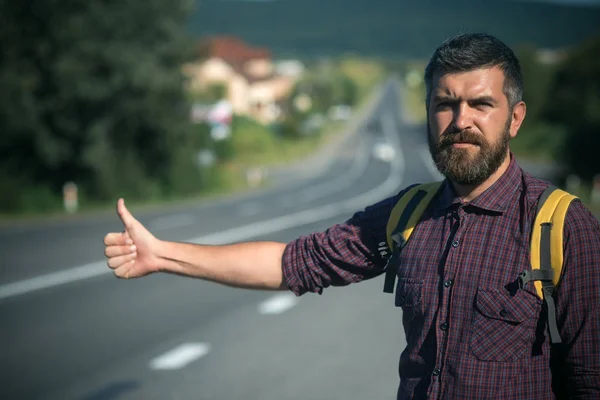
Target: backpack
x,y
546,245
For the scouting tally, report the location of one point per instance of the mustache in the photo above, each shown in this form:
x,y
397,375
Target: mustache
x,y
464,136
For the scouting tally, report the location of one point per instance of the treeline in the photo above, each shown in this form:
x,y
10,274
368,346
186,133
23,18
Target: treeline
x,y
92,94
562,92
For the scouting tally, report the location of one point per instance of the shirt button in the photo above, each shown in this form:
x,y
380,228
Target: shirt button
x,y
455,243
449,283
444,326
436,372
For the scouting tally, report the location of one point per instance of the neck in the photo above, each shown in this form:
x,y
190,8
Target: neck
x,y
469,192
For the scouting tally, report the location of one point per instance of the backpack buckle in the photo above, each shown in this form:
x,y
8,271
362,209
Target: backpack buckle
x,y
524,278
535,275
399,241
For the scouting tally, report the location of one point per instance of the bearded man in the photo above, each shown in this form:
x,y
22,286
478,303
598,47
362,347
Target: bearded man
x,y
468,336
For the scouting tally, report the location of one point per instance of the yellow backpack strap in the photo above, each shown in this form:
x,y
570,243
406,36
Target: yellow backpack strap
x,y
547,250
402,221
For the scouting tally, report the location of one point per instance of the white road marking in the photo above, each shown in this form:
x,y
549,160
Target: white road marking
x,y
180,356
54,279
171,221
277,304
389,186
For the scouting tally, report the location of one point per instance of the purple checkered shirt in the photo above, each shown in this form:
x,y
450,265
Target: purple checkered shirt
x,y
471,333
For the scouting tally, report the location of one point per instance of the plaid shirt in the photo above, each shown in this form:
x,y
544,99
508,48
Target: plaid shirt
x,y
470,332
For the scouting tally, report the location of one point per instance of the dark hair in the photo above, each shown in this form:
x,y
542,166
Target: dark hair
x,y
471,51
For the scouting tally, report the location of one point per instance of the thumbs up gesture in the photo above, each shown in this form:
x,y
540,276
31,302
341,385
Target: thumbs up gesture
x,y
130,253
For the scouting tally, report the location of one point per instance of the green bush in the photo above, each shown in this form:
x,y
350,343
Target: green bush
x,y
542,140
91,93
252,142
576,104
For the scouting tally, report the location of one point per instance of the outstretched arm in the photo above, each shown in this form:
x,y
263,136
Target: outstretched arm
x,y
135,252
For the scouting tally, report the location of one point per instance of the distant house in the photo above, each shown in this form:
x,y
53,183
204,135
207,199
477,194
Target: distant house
x,y
254,85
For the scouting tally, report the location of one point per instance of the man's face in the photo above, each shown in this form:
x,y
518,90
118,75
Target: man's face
x,y
469,124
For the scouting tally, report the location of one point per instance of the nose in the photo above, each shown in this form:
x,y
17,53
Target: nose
x,y
462,117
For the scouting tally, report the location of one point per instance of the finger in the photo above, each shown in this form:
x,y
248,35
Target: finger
x,y
124,214
124,270
116,262
116,239
128,239
115,251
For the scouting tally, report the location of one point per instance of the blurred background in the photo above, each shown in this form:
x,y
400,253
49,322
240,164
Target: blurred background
x,y
227,120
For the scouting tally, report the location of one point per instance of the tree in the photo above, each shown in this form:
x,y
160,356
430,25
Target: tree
x,y
576,105
92,93
537,137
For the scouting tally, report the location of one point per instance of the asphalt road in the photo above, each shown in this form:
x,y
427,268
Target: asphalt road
x,y
70,330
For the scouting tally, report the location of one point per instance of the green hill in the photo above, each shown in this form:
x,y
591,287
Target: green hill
x,y
306,28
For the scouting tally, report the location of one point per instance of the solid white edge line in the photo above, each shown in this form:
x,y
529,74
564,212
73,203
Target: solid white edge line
x,y
180,356
54,279
389,186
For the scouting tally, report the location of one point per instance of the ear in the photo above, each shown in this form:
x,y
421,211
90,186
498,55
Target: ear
x,y
517,117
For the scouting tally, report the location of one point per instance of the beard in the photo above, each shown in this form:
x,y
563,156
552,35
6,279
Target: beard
x,y
467,166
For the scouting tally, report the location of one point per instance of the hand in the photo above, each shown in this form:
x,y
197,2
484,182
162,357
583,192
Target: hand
x,y
130,253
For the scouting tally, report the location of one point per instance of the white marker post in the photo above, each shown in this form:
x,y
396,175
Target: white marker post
x,y
70,197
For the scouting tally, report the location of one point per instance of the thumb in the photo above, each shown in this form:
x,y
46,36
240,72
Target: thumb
x,y
124,214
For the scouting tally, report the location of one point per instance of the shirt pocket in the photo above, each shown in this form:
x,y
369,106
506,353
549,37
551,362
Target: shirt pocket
x,y
504,325
409,295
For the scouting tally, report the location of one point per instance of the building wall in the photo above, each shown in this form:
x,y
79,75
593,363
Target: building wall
x,y
238,94
258,68
257,99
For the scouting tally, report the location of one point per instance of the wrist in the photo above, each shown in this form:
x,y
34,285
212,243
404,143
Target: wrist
x,y
161,251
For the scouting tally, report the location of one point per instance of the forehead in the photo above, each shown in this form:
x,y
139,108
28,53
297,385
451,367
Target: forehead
x,y
478,82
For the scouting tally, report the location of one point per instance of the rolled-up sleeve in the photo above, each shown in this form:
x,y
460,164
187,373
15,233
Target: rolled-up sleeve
x,y
345,253
578,307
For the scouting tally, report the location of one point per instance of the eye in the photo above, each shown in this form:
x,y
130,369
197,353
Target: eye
x,y
483,105
443,105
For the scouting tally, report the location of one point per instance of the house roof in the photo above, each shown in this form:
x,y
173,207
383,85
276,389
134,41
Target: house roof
x,y
232,50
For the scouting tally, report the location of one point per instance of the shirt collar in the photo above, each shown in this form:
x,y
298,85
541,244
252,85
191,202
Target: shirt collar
x,y
496,198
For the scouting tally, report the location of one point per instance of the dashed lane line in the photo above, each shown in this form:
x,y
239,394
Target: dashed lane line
x,y
180,356
278,304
